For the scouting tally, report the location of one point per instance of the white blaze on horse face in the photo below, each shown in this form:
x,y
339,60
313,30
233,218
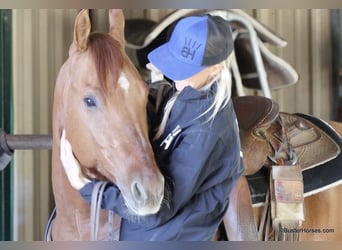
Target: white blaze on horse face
x,y
123,82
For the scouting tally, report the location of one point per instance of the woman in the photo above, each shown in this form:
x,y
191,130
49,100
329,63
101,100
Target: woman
x,y
196,144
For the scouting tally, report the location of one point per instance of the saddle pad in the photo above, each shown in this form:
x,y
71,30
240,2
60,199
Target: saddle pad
x,y
315,179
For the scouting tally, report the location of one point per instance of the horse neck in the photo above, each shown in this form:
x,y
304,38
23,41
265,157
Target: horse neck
x,y
71,210
67,199
65,195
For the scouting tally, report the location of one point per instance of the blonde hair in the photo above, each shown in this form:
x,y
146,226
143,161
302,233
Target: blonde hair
x,y
222,97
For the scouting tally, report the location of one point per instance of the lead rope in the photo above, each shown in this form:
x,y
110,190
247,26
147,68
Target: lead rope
x,y
95,208
47,233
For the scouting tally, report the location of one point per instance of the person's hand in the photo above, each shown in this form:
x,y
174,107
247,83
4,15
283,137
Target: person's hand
x,y
71,165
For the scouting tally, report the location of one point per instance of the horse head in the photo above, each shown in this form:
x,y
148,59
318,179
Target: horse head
x,y
100,100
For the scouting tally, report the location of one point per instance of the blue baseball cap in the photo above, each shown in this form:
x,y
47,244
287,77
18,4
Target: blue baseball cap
x,y
195,43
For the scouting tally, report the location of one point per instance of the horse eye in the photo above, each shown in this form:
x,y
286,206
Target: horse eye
x,y
90,102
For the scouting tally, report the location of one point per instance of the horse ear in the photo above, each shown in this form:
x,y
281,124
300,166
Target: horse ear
x,y
117,25
82,30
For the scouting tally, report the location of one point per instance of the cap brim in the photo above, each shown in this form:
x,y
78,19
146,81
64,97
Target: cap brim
x,y
170,66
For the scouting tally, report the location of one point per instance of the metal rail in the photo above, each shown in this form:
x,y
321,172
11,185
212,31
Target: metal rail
x,y
10,143
29,141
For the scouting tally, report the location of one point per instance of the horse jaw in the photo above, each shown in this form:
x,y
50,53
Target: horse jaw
x,y
142,194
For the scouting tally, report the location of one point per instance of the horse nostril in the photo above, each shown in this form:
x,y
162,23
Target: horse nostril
x,y
139,193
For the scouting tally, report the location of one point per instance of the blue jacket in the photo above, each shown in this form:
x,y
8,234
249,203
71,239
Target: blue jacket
x,y
203,163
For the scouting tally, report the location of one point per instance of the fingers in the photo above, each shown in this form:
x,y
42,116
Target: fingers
x,y
66,150
70,164
62,147
67,156
63,134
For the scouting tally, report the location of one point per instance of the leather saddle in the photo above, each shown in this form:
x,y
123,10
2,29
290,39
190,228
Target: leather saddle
x,y
279,73
269,137
255,115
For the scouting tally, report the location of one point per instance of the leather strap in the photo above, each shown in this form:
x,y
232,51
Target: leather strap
x,y
114,221
239,219
47,233
95,208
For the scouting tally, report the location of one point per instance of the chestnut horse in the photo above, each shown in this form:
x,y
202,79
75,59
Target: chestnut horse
x,y
100,100
323,210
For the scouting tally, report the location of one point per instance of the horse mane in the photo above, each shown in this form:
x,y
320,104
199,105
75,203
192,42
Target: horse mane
x,y
108,59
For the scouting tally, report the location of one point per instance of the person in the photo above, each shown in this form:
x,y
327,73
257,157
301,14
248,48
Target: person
x,y
196,144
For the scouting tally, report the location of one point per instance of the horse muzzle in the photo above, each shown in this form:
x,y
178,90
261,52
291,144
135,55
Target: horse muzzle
x,y
144,198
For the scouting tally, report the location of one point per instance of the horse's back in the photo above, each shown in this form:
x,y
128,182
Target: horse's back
x,y
323,217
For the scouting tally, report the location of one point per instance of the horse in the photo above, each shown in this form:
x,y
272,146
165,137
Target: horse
x,y
100,100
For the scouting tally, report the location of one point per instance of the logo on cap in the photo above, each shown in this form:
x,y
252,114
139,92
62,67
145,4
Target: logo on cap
x,y
190,48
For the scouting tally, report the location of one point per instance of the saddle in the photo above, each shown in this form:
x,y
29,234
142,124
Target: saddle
x,y
279,73
266,135
255,115
143,35
269,137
